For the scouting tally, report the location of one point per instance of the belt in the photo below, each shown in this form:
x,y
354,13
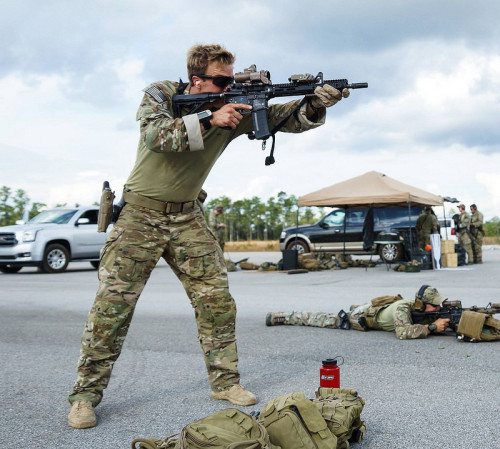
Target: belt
x,y
165,207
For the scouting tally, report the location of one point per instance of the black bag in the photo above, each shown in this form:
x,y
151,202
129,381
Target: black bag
x,y
461,253
424,257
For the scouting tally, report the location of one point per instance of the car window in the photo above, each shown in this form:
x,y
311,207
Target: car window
x,y
356,217
53,216
395,214
91,215
335,218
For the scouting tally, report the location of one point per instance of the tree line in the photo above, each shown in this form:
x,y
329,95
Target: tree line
x,y
246,219
254,219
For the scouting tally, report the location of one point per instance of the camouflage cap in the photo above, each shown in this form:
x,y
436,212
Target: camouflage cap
x,y
461,206
432,296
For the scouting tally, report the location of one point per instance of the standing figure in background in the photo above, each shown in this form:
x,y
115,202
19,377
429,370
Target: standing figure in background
x,y
427,224
464,235
216,226
476,229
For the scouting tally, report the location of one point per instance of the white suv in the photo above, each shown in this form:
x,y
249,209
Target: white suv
x,y
51,240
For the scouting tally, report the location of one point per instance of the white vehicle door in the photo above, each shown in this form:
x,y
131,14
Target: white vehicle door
x,y
87,242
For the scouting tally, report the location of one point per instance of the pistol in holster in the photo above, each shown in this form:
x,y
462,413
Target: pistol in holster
x,y
105,208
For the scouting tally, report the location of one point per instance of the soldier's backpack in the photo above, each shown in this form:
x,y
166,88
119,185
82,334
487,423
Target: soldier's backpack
x,y
226,429
294,422
341,408
332,420
475,326
385,300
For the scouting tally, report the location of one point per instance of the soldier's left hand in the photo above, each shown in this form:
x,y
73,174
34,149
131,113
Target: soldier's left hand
x,y
326,96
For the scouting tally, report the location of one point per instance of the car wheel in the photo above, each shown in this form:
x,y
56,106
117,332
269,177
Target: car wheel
x,y
95,264
301,246
55,259
390,252
9,269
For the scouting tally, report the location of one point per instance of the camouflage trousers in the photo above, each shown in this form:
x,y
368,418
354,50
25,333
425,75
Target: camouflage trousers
x,y
465,241
316,319
424,240
324,319
139,238
477,248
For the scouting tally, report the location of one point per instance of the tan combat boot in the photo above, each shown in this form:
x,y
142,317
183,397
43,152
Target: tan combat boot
x,y
236,395
82,415
273,319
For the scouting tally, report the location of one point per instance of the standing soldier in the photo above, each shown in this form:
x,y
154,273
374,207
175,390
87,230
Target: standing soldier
x,y
216,226
476,229
464,235
163,217
427,224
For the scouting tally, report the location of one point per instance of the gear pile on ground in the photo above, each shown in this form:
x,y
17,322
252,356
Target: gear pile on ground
x,y
409,267
325,261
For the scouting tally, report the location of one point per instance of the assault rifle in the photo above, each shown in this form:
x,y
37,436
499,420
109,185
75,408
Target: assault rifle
x,y
453,310
255,88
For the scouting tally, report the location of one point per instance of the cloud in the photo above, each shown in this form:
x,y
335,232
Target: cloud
x,y
491,182
71,76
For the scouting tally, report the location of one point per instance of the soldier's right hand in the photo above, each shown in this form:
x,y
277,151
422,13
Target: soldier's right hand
x,y
441,324
228,115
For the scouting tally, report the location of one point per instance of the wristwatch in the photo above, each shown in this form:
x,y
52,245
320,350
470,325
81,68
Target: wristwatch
x,y
204,118
432,327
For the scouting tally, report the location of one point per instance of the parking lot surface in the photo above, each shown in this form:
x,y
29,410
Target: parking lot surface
x,y
431,393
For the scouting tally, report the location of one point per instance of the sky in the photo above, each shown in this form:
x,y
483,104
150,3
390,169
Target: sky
x,y
72,74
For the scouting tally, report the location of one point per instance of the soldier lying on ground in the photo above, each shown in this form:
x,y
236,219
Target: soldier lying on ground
x,y
388,313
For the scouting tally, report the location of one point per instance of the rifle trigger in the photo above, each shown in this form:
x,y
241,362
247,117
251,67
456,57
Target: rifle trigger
x,y
263,145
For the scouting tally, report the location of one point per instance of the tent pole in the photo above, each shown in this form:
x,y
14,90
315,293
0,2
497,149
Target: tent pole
x,y
409,227
345,224
445,227
296,226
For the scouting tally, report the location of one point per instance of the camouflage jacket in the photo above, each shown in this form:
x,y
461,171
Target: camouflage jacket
x,y
427,224
397,317
174,157
213,224
464,223
476,222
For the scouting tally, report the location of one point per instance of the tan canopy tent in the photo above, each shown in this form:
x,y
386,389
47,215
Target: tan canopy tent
x,y
372,188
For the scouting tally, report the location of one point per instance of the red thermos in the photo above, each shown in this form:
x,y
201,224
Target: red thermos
x,y
329,373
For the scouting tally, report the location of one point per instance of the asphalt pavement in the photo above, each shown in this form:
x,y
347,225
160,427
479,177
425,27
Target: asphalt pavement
x,y
431,393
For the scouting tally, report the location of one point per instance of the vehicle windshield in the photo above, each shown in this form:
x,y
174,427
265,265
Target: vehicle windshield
x,y
58,216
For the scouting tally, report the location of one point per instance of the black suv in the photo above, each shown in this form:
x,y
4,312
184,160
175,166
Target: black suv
x,y
391,229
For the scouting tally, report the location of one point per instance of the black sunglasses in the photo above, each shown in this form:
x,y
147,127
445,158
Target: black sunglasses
x,y
219,80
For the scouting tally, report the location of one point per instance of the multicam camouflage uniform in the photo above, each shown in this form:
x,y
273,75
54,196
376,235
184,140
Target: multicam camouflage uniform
x,y
426,225
213,223
463,236
173,160
476,229
394,317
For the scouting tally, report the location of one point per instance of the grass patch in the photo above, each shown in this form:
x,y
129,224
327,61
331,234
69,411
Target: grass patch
x,y
252,245
494,240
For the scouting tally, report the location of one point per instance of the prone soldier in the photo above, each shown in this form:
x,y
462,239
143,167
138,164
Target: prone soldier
x,y
387,313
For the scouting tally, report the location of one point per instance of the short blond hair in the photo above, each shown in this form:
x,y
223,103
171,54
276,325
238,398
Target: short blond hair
x,y
199,56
